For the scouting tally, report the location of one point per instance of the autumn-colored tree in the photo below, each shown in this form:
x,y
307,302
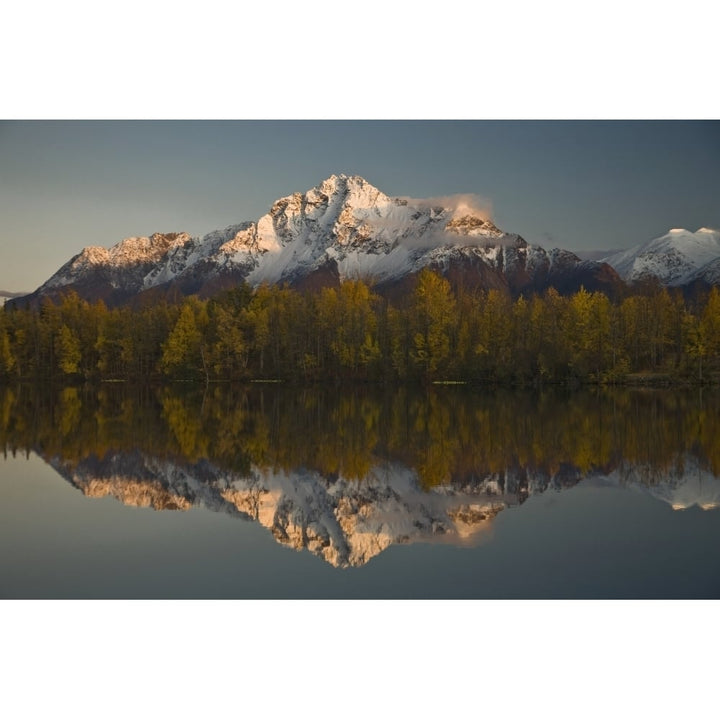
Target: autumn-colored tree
x,y
228,356
432,318
67,350
710,324
493,349
184,351
7,355
347,325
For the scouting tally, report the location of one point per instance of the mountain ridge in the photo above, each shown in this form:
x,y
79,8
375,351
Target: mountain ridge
x,y
677,258
342,228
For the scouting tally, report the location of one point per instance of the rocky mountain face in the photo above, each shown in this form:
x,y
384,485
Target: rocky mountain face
x,y
343,228
347,522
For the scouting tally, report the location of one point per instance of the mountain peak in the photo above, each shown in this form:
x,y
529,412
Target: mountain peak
x,y
352,190
93,255
473,226
342,179
676,258
701,234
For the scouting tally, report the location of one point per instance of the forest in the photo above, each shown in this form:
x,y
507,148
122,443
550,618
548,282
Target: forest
x,y
351,333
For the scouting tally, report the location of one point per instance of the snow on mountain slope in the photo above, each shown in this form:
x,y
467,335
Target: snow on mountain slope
x,y
365,233
709,273
344,227
676,258
138,263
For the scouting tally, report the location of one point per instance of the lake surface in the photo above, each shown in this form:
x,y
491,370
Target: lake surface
x,y
277,492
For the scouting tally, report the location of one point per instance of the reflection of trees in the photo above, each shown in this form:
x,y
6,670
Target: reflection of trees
x,y
70,409
186,426
436,440
446,434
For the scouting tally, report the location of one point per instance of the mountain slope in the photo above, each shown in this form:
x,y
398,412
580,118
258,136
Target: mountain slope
x,y
343,228
677,258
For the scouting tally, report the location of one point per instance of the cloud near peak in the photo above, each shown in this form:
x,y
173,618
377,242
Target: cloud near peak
x,y
459,205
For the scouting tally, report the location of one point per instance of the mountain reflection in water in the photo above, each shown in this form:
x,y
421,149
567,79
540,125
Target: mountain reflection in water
x,y
347,473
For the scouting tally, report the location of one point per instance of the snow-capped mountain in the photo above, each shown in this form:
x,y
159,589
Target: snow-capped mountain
x,y
343,228
347,522
677,258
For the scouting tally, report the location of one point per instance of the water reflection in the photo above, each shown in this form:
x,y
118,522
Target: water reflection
x,y
345,474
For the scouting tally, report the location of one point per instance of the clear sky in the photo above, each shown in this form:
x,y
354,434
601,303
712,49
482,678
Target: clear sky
x,y
574,184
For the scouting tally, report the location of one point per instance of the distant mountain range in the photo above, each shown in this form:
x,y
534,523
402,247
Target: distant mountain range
x,y
677,259
6,295
346,228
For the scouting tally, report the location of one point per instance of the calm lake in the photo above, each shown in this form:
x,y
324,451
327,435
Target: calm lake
x,y
267,491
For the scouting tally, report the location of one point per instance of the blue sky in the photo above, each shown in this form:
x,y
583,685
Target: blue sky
x,y
572,184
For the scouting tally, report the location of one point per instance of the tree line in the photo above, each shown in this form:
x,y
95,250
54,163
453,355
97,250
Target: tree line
x,y
434,333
